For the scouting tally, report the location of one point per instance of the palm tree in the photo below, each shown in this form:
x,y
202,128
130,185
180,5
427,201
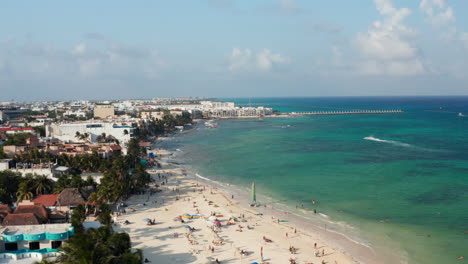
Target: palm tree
x,y
103,214
100,245
43,262
84,136
78,135
42,184
23,192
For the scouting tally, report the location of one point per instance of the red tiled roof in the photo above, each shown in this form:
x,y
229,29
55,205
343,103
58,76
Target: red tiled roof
x,y
38,209
46,200
21,219
115,147
145,144
4,210
17,129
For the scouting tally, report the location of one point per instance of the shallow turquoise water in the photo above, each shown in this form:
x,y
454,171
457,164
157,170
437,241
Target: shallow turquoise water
x,y
405,186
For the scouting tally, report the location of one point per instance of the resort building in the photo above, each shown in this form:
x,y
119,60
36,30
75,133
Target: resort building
x,y
68,131
32,242
152,114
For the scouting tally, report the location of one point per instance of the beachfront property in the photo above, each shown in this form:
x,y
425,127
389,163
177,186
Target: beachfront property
x,y
31,231
205,109
67,131
32,243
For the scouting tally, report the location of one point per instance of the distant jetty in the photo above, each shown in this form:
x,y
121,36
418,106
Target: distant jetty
x,y
349,112
294,114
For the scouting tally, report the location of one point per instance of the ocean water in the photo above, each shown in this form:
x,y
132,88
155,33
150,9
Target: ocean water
x,y
397,182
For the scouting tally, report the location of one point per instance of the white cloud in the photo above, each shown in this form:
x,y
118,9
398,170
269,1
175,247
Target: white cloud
x,y
387,47
79,49
437,12
464,39
246,60
42,62
289,6
280,7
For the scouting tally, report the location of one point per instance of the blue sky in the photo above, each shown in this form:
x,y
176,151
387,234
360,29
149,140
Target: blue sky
x,y
53,50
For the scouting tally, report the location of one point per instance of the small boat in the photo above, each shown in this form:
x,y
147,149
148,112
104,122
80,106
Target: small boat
x,y
460,114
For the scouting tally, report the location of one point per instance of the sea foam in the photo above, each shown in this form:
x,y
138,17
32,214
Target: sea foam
x,y
393,142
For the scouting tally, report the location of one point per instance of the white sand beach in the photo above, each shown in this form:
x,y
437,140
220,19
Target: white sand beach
x,y
170,241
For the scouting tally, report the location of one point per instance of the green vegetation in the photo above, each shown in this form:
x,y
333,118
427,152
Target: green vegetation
x,y
101,245
17,139
40,130
71,181
3,155
14,187
157,127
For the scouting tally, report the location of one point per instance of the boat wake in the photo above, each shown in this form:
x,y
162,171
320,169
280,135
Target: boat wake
x,y
393,142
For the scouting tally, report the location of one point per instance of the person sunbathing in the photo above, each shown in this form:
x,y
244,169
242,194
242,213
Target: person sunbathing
x,y
267,240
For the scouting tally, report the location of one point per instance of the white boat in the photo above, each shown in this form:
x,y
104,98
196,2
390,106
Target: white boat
x,y
460,114
211,124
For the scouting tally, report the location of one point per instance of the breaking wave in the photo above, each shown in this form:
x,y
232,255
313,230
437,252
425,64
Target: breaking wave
x,y
393,142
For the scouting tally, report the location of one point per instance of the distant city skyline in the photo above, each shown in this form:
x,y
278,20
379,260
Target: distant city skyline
x,y
51,50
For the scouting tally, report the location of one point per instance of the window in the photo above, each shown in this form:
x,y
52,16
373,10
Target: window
x,y
56,244
34,245
11,246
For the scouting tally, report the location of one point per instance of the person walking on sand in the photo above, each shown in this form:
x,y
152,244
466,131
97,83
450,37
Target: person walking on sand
x,y
315,245
286,234
323,252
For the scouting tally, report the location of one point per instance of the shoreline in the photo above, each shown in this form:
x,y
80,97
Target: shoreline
x,y
344,249
362,250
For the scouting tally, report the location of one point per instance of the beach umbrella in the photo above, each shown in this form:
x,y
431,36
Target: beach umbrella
x,y
146,219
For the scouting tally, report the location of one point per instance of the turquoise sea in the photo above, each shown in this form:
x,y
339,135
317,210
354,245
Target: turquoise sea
x,y
393,181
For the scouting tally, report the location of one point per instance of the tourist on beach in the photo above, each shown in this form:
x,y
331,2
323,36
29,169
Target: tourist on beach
x,y
315,245
323,252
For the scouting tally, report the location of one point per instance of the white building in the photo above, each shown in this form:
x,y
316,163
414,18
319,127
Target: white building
x,y
32,242
67,131
74,113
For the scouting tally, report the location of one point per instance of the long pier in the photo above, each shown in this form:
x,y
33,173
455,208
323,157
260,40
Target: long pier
x,y
349,112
